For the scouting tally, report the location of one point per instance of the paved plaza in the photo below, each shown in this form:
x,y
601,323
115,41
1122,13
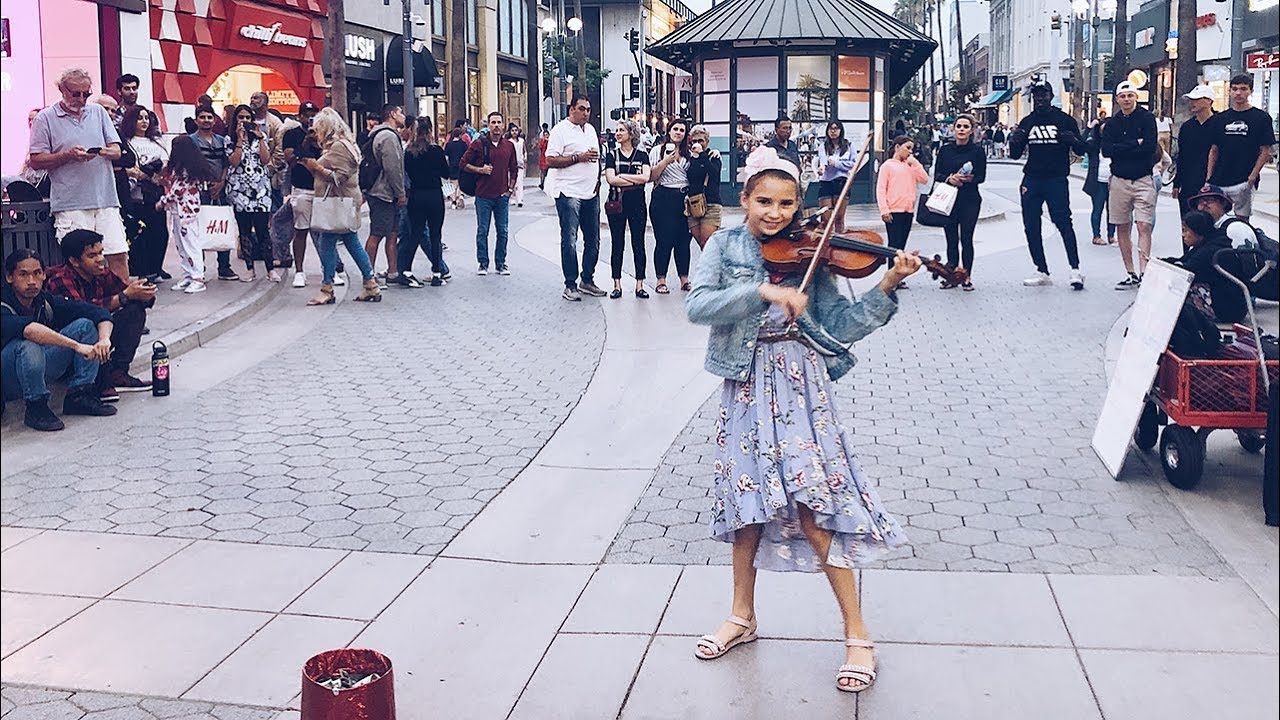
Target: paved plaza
x,y
507,494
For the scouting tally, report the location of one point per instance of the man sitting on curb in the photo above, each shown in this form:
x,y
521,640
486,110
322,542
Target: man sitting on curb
x,y
45,337
1215,201
83,277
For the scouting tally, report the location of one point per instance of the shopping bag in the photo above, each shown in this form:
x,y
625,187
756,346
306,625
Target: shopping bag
x,y
942,199
334,214
927,217
216,229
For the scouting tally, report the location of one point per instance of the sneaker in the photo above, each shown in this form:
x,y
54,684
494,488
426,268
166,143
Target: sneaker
x,y
447,276
40,417
504,270
437,281
339,279
571,294
1129,283
124,382
591,289
1077,279
195,287
299,279
482,270
108,394
165,276
1040,279
84,401
274,276
229,275
181,285
407,279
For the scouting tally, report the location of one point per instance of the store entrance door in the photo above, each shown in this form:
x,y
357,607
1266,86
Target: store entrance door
x,y
236,85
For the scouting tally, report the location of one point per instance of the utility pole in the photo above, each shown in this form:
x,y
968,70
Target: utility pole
x,y
581,85
1185,65
960,43
533,83
410,94
942,53
1077,69
337,57
1120,55
457,49
1239,8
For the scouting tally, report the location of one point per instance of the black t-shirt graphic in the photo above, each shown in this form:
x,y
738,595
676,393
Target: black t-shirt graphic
x,y
1047,138
1239,135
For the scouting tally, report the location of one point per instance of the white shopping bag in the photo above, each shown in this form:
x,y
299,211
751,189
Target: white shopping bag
x,y
216,228
943,198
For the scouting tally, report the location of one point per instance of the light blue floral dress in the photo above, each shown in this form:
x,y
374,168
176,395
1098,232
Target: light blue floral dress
x,y
779,444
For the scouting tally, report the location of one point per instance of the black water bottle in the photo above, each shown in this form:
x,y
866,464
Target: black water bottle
x,y
159,369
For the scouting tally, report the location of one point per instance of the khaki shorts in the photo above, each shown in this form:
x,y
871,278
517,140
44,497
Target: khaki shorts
x,y
710,221
302,201
1132,201
1241,198
104,221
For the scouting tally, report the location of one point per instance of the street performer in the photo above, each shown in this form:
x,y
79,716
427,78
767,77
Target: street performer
x,y
788,492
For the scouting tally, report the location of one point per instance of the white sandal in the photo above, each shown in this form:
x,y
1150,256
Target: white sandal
x,y
709,642
861,676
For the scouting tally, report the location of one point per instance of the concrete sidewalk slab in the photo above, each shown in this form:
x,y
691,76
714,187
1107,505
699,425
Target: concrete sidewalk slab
x,y
27,617
361,586
83,564
582,677
702,598
1161,685
624,599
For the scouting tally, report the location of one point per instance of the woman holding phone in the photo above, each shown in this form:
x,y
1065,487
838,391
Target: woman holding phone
x,y
704,179
669,163
249,191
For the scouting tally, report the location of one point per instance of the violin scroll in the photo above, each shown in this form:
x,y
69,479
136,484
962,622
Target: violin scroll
x,y
939,269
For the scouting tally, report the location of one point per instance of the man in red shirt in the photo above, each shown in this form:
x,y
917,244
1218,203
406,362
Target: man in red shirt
x,y
493,158
83,277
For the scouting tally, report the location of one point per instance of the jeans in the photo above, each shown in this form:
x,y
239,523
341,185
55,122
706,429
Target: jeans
x,y
575,214
1101,192
327,245
496,207
670,232
1037,192
423,226
960,233
28,367
633,217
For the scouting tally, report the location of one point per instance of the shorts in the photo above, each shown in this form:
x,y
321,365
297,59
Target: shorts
x,y
830,189
1132,200
302,201
710,221
1241,198
104,221
384,217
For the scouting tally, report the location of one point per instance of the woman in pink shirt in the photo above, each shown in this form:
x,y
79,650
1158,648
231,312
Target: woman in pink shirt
x,y
897,190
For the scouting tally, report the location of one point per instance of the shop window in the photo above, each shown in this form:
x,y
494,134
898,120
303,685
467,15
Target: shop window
x,y
854,105
758,107
235,86
809,88
473,96
720,140
715,108
512,30
437,19
855,73
715,76
758,73
808,70
473,28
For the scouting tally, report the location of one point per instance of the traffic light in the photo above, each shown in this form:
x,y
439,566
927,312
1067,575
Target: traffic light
x,y
686,98
615,114
633,87
633,41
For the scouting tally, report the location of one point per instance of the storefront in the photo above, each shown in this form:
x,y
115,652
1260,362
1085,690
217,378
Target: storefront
x,y
365,51
1262,54
232,49
1149,28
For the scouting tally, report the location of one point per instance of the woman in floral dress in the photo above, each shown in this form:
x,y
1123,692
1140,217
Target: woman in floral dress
x,y
788,492
249,190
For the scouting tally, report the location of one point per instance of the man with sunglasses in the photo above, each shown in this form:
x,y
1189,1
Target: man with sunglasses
x,y
573,181
76,142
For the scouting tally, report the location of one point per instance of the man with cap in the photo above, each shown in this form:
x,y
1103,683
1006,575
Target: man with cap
x,y
1195,136
1047,136
1243,136
1131,140
1215,201
299,144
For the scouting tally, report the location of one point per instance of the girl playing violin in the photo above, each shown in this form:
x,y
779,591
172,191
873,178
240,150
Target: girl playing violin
x,y
788,492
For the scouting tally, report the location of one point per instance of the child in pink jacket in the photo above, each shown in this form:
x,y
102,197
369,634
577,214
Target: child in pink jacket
x,y
897,190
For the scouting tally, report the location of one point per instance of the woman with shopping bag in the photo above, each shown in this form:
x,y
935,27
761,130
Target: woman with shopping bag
x,y
897,190
335,214
962,164
186,172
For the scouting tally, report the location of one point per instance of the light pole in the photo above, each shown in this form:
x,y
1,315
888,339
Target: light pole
x,y
562,78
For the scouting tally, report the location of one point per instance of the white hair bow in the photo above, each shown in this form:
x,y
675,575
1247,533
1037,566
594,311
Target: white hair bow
x,y
766,158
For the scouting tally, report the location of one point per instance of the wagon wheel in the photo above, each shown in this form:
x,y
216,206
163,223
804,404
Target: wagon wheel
x,y
1251,440
1148,427
1181,456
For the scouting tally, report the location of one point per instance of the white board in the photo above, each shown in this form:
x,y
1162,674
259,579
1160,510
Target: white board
x,y
1164,289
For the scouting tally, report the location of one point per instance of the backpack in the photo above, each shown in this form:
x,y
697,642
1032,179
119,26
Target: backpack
x,y
1259,271
370,165
468,180
1195,335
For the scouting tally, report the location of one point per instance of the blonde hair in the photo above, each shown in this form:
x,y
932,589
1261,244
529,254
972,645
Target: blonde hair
x,y
699,131
330,128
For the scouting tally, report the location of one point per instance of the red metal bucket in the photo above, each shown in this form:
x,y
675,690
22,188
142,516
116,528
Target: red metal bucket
x,y
373,700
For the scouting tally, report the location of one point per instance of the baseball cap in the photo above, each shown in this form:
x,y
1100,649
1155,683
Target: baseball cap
x,y
308,106
1200,92
1040,84
1125,87
1210,191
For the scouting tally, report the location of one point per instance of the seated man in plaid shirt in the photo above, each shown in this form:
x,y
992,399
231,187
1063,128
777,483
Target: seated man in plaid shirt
x,y
83,276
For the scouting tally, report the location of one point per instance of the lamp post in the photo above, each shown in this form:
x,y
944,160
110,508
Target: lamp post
x,y
561,80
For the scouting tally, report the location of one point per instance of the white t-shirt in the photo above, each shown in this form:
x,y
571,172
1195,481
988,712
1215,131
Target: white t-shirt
x,y
1164,124
675,175
580,180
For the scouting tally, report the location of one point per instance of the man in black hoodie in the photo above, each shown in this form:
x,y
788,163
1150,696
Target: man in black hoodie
x,y
1047,136
1132,143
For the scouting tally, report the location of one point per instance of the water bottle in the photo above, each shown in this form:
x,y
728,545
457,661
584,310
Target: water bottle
x,y
159,369
967,168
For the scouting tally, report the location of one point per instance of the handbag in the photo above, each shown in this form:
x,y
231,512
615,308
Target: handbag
x,y
943,198
216,228
695,206
335,214
613,205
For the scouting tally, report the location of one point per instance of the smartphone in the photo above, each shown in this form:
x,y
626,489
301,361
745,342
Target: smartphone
x,y
249,127
93,150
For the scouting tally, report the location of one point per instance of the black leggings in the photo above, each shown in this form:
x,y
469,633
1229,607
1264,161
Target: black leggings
x,y
898,229
149,240
426,225
960,233
633,216
670,230
255,238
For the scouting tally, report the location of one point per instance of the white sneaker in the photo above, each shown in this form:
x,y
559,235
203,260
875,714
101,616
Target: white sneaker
x,y
181,285
1038,280
1077,280
299,279
195,287
339,279
482,270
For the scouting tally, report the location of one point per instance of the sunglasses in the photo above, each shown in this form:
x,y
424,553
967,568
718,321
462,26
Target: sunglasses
x,y
82,94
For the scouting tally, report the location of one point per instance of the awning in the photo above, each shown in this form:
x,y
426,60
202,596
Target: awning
x,y
994,99
425,74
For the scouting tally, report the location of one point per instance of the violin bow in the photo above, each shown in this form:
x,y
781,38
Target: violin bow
x,y
831,220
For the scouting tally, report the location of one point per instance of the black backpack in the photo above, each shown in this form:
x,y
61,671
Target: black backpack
x,y
370,165
1195,335
468,180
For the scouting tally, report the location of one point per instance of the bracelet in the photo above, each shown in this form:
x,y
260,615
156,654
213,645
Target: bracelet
x,y
575,158
124,299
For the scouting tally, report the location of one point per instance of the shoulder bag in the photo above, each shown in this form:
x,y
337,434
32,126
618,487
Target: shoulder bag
x,y
334,213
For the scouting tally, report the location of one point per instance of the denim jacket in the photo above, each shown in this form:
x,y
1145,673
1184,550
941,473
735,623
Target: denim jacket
x,y
726,296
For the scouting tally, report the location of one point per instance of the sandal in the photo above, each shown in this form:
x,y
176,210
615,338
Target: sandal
x,y
861,677
642,293
948,285
715,649
662,289
686,286
1097,240
967,286
324,298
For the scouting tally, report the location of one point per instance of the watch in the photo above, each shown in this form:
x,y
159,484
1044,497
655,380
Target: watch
x,y
124,299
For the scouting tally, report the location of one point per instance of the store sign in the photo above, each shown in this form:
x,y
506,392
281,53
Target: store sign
x,y
1262,61
272,35
361,50
999,83
1206,20
266,31
1144,37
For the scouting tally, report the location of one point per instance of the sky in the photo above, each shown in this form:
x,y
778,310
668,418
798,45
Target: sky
x,y
702,5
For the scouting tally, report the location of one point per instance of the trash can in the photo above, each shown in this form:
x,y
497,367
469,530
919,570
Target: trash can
x,y
348,684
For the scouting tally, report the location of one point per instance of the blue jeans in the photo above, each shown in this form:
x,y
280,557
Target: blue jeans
x,y
1036,193
497,207
1101,192
28,367
576,213
327,244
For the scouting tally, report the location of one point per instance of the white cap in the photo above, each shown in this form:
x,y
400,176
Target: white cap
x,y
1125,87
1200,92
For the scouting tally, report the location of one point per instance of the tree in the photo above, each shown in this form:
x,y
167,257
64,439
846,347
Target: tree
x,y
963,94
337,57
1120,56
906,105
551,58
1185,68
814,101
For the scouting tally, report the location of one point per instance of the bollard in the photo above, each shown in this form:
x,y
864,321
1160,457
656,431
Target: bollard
x,y
370,699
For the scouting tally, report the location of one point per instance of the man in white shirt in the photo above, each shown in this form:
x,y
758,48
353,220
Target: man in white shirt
x,y
573,181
